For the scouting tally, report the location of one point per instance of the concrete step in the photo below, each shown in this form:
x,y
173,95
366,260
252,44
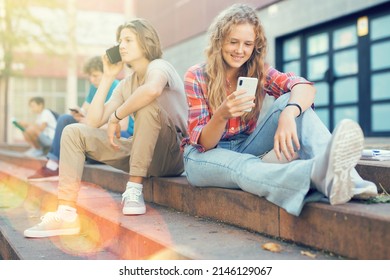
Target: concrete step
x,y
19,147
162,233
355,230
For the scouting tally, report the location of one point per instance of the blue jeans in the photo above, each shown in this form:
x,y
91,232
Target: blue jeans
x,y
235,163
63,120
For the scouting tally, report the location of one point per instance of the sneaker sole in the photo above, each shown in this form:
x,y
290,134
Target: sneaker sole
x,y
50,233
133,211
346,150
45,179
365,193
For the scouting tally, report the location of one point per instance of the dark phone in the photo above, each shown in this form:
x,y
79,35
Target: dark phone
x,y
75,110
113,54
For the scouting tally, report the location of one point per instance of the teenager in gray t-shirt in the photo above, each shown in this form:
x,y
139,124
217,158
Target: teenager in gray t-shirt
x,y
153,94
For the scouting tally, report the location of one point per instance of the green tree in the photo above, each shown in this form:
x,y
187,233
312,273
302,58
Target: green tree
x,y
15,16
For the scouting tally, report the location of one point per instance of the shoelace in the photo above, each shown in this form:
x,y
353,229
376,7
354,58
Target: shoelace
x,y
49,217
131,194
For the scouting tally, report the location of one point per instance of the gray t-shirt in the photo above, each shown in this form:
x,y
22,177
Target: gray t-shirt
x,y
172,100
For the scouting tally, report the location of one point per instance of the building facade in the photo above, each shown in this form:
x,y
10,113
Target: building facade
x,y
348,59
83,29
343,46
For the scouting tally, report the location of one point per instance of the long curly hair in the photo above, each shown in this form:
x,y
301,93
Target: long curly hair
x,y
254,67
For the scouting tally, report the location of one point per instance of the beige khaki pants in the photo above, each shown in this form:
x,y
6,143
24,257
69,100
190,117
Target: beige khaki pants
x,y
154,150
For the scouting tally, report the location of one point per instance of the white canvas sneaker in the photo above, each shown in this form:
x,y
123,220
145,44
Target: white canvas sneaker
x,y
332,171
365,190
133,201
52,225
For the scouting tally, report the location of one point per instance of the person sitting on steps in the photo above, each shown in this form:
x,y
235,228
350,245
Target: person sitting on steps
x,y
154,93
225,140
40,133
94,69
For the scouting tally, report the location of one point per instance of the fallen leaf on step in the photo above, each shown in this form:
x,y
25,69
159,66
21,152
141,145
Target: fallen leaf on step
x,y
273,247
306,253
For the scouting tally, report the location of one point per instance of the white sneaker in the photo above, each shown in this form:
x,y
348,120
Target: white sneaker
x,y
53,225
34,153
133,201
29,152
342,155
365,190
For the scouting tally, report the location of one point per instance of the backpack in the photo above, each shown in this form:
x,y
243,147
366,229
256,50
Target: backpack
x,y
55,114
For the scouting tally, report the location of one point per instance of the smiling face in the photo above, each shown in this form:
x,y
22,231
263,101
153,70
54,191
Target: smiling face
x,y
238,45
129,46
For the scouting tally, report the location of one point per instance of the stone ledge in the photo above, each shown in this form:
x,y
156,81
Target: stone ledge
x,y
106,234
342,229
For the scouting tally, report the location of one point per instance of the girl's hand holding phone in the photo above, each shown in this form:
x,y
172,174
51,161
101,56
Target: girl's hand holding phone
x,y
235,105
249,85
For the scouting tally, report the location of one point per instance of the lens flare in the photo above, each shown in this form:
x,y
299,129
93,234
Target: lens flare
x,y
13,192
98,232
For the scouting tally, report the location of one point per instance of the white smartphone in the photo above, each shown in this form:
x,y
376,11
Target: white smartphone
x,y
249,84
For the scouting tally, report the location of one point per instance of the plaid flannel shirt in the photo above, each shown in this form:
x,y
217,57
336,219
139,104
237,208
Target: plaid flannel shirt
x,y
276,83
